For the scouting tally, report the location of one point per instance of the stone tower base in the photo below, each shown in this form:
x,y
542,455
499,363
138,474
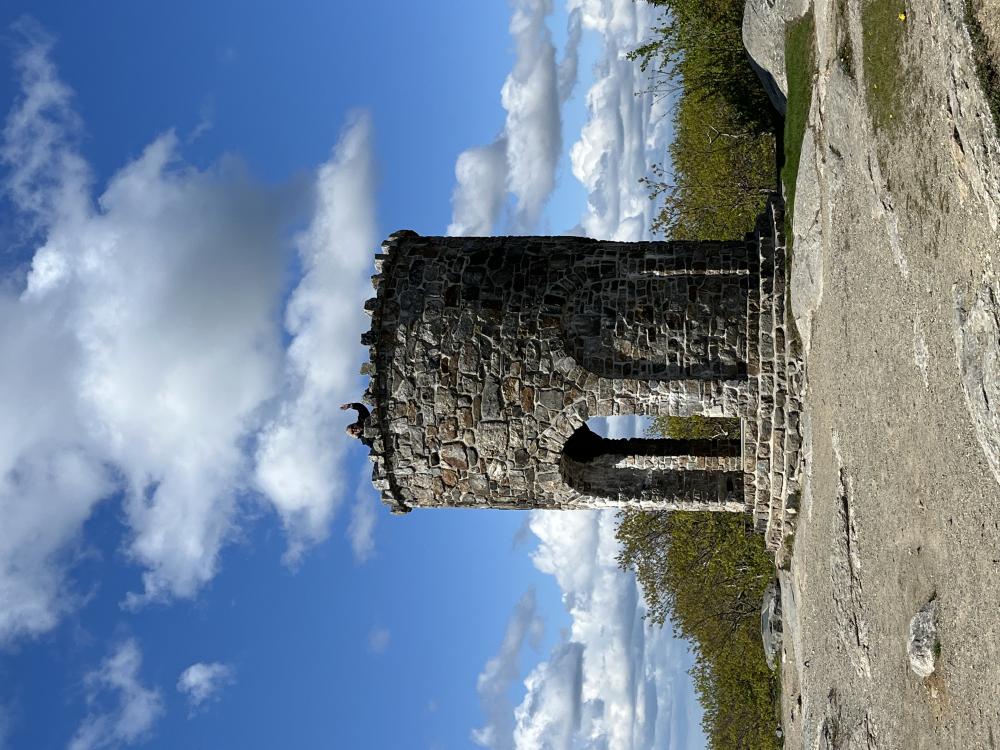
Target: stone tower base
x,y
771,433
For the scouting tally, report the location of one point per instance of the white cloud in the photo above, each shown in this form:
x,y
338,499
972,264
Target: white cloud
x,y
524,157
569,65
481,173
206,121
47,179
176,285
502,671
297,462
625,131
142,352
531,97
378,640
133,709
627,128
612,682
203,681
549,715
364,516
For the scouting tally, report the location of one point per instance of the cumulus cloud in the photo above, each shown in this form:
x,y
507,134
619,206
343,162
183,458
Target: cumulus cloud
x,y
569,65
627,127
502,671
202,682
524,157
481,174
549,715
141,351
612,682
123,709
378,640
297,462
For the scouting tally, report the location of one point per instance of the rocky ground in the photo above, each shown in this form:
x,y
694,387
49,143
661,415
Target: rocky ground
x,y
987,12
896,292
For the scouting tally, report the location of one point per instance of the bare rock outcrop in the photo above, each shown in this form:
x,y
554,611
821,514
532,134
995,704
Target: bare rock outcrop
x,y
764,37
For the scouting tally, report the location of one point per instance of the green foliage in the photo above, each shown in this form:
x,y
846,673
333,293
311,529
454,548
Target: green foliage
x,y
699,47
722,155
696,428
800,65
884,24
720,177
705,574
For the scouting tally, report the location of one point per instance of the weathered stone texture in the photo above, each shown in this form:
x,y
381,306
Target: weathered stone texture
x,y
489,354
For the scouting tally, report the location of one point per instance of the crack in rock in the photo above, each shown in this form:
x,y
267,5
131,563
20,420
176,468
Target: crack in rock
x,y
845,573
974,148
837,732
867,735
885,211
828,735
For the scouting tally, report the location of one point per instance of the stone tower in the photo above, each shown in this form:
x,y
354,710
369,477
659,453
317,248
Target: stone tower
x,y
489,354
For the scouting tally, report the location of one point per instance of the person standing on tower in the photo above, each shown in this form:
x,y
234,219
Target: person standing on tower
x,y
357,428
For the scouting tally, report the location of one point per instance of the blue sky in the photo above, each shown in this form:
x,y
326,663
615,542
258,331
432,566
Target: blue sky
x,y
191,554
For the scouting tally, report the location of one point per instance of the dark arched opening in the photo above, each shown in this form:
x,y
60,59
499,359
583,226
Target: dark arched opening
x,y
586,445
698,473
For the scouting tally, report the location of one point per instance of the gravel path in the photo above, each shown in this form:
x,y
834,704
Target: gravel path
x,y
897,296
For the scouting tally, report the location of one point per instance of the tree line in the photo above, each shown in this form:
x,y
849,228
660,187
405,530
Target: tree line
x,y
704,573
721,161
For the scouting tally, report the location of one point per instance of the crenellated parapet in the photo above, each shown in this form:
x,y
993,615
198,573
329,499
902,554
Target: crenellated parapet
x,y
381,343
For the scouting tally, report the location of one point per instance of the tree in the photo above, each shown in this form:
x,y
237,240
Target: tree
x,y
705,575
722,159
698,48
720,175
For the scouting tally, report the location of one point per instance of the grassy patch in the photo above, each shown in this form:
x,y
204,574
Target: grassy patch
x,y
884,23
696,428
987,71
800,64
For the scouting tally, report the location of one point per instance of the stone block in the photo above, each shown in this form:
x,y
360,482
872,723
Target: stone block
x,y
487,354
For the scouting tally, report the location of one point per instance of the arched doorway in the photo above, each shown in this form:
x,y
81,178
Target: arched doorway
x,y
654,472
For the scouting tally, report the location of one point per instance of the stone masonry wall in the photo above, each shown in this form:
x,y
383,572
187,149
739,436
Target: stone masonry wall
x,y
487,354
